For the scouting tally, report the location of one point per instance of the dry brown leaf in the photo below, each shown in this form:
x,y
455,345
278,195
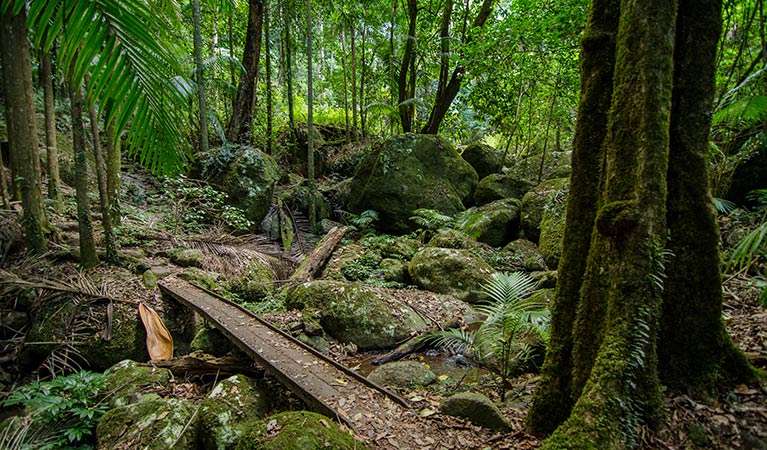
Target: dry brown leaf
x,y
159,342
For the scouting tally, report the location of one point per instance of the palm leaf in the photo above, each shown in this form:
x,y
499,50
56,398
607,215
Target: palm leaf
x,y
752,245
119,42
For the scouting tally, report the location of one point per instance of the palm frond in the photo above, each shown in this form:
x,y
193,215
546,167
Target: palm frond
x,y
457,340
746,110
117,42
752,245
723,206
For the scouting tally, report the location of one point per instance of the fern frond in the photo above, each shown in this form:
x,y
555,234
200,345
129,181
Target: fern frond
x,y
508,287
751,246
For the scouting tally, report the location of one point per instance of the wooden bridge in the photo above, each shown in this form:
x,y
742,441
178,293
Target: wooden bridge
x,y
325,385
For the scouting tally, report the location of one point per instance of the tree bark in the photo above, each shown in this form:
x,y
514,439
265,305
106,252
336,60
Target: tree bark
x,y
88,256
113,164
289,66
22,133
268,57
310,119
406,94
240,125
448,92
696,350
346,91
199,77
51,146
353,35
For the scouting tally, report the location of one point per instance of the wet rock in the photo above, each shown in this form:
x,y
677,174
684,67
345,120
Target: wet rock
x,y
402,374
477,408
495,224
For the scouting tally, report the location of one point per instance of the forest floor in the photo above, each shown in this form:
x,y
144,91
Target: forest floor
x,y
736,418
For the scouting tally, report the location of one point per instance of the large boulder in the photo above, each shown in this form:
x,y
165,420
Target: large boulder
x,y
450,271
246,174
153,424
525,254
233,402
409,172
477,408
296,430
483,158
127,382
553,228
498,186
495,224
368,317
402,374
534,203
100,342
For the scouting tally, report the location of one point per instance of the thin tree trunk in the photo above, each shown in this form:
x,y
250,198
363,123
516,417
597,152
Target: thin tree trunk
x,y
113,163
450,90
353,34
407,110
548,127
310,119
392,79
51,147
241,123
289,66
101,178
346,90
88,256
363,116
200,78
268,57
22,135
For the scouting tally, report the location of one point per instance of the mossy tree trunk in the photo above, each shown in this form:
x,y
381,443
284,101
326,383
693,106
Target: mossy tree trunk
x,y
113,163
88,256
601,376
51,146
696,350
22,133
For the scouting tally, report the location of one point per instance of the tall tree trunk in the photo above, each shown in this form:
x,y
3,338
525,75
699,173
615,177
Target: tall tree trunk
x,y
346,90
51,146
363,116
549,118
289,65
101,178
268,57
696,350
448,92
22,134
241,123
199,77
310,119
113,163
392,78
405,97
353,35
88,256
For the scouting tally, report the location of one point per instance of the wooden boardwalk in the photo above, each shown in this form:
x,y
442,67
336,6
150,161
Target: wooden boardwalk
x,y
325,385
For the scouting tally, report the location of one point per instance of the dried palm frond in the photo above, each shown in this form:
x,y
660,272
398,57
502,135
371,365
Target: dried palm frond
x,y
81,287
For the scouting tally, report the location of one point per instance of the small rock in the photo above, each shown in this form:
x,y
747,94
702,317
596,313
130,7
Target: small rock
x,y
296,430
153,424
161,271
402,374
150,279
187,257
477,408
126,380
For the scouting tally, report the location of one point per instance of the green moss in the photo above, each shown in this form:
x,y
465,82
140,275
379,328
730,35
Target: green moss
x,y
297,430
255,283
618,218
209,340
448,271
535,202
187,257
495,224
126,381
475,407
154,424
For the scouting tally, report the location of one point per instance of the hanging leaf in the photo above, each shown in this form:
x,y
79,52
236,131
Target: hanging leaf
x,y
159,342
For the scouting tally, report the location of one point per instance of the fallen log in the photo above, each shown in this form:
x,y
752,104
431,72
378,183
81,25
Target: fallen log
x,y
215,367
313,263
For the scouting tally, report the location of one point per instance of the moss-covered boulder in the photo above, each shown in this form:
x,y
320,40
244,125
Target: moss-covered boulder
x,y
296,430
483,158
449,238
211,341
152,424
296,196
450,271
495,224
127,382
499,186
256,280
409,172
394,270
187,257
246,174
525,254
553,227
477,408
534,203
402,374
59,321
232,402
349,312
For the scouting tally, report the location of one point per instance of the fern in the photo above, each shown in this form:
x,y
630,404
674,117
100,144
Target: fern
x,y
723,206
